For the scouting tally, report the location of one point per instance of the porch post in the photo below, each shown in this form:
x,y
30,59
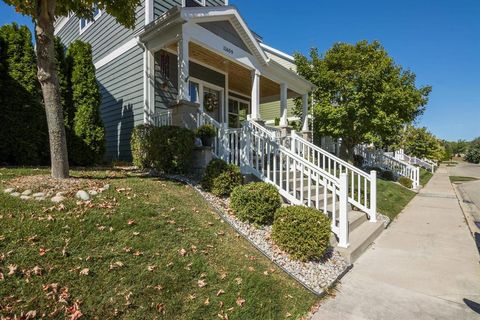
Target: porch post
x,y
283,105
305,113
255,95
183,68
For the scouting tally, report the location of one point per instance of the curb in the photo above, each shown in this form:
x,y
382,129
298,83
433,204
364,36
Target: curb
x,y
467,207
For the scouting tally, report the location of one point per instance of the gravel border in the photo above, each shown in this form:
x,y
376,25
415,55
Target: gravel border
x,y
317,277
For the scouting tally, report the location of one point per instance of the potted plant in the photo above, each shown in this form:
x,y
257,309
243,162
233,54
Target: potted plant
x,y
206,133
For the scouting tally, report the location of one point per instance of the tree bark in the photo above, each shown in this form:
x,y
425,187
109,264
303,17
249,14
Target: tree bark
x,y
347,151
47,76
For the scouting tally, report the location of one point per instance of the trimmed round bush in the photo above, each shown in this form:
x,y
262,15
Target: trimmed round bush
x,y
387,175
171,149
214,168
406,182
224,183
255,202
140,145
302,232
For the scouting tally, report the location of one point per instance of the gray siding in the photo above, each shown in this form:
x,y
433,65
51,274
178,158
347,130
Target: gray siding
x,y
213,3
105,34
121,85
166,89
225,30
162,6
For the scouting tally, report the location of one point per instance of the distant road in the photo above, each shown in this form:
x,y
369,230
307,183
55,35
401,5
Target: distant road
x,y
465,169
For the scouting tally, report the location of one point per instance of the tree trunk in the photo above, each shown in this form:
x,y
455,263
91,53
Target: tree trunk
x,y
47,76
347,151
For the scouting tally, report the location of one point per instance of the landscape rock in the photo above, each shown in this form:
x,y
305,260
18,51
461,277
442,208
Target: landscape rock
x,y
83,195
38,194
15,194
40,198
92,192
105,187
27,192
23,197
58,198
9,190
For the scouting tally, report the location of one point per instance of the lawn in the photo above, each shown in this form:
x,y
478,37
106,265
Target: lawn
x,y
392,198
459,179
425,176
144,249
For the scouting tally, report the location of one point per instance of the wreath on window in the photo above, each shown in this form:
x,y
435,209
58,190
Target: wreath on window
x,y
210,102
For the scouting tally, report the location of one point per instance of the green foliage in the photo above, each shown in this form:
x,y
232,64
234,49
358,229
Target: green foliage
x,y
87,123
140,144
256,202
362,95
23,128
171,149
226,181
420,143
215,168
358,160
473,154
406,182
302,232
205,131
387,175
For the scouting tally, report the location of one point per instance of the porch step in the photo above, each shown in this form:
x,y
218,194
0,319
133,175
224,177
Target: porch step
x,y
360,239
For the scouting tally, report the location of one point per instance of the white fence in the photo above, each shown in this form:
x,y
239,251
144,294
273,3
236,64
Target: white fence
x,y
162,118
424,163
387,161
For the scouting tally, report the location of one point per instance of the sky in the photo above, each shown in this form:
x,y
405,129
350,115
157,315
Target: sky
x,y
439,40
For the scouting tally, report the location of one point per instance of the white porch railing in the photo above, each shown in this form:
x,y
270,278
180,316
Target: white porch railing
x,y
297,180
362,185
162,118
424,163
386,161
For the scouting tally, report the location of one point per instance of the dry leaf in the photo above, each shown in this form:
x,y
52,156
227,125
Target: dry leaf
x,y
151,268
131,222
238,281
220,292
202,283
116,265
32,314
37,271
223,275
85,272
12,269
240,302
182,252
207,302
161,308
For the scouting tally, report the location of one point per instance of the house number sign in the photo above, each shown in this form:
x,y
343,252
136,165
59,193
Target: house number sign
x,y
228,50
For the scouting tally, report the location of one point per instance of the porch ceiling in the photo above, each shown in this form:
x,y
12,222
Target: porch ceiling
x,y
239,77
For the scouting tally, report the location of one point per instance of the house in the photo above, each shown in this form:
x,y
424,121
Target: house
x,y
184,55
193,62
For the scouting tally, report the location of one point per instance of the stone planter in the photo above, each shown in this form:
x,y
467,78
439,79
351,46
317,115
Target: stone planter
x,y
201,158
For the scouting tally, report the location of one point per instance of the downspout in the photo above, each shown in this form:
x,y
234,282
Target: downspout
x,y
146,106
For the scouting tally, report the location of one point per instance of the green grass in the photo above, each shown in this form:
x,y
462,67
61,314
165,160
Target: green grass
x,y
425,176
392,198
168,217
459,179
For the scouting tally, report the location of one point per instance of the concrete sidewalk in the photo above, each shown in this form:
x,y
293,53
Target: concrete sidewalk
x,y
424,266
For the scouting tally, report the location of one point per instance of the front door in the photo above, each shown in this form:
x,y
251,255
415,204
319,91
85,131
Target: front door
x,y
208,96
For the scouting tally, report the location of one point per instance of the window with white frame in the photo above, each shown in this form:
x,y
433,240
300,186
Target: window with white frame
x,y
238,110
85,23
193,3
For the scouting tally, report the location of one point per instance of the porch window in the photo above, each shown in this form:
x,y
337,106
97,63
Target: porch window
x,y
237,112
84,23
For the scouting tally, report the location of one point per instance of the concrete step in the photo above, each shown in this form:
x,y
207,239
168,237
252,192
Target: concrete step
x,y
360,239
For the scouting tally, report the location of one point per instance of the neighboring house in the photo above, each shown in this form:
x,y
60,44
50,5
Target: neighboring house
x,y
198,51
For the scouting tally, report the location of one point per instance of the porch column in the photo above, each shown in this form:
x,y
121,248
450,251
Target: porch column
x,y
283,105
183,69
305,113
255,95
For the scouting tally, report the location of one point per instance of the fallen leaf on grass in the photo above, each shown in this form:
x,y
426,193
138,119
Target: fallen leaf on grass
x,y
116,265
207,302
32,314
161,308
12,269
220,292
37,271
223,275
151,268
240,302
201,283
182,252
131,222
238,281
84,272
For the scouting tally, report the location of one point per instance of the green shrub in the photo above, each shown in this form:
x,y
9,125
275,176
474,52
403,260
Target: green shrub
x,y
141,136
473,154
387,175
256,202
302,232
358,160
171,149
224,184
215,168
406,182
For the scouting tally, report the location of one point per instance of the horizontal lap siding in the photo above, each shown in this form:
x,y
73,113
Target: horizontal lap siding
x,y
215,3
162,6
271,110
105,34
121,85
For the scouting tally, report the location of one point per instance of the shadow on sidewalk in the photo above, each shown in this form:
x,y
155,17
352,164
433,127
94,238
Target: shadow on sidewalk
x,y
472,305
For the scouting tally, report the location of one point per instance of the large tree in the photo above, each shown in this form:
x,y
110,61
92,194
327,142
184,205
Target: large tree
x,y
420,143
43,14
362,95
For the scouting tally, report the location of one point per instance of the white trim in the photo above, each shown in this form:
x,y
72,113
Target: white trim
x,y
88,23
240,94
200,2
132,43
201,87
278,52
60,23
